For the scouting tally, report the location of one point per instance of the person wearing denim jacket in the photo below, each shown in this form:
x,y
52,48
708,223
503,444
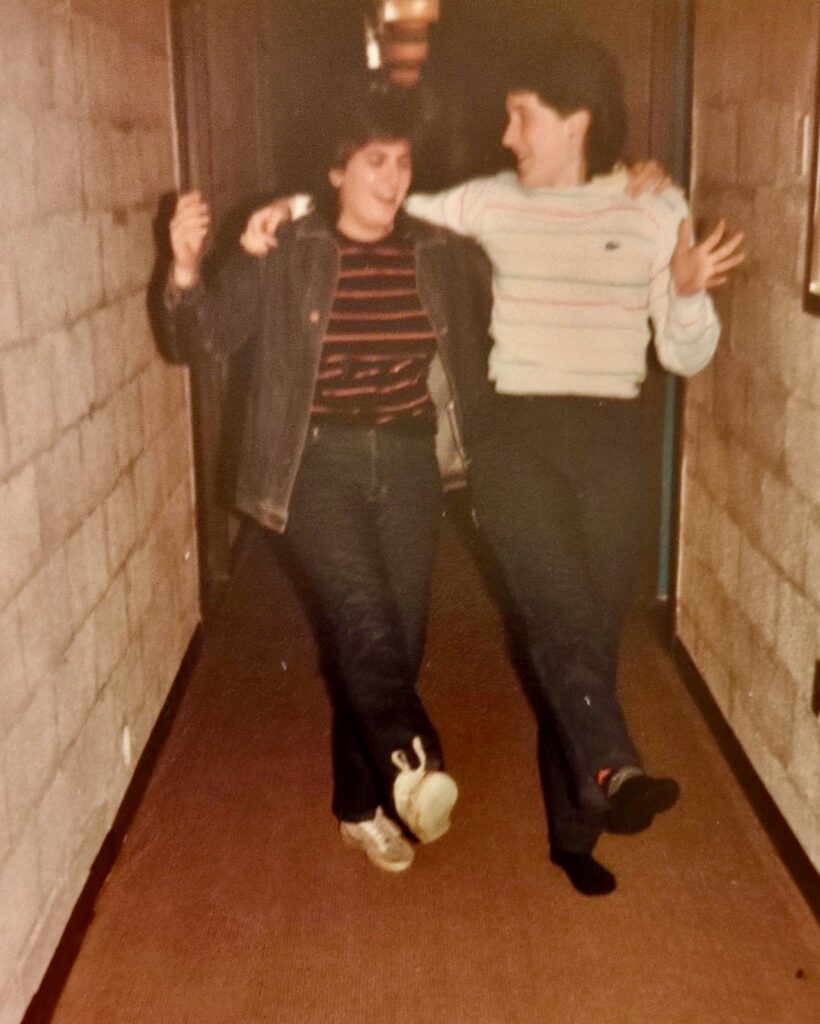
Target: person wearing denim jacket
x,y
349,474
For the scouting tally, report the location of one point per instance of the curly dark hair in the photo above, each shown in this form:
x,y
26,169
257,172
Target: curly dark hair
x,y
569,72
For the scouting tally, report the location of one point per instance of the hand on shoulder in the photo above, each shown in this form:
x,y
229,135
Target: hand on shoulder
x,y
259,236
647,177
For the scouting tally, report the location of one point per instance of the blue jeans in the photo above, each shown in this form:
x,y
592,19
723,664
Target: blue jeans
x,y
558,484
362,527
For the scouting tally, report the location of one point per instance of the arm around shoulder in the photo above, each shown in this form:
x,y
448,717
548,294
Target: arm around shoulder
x,y
459,208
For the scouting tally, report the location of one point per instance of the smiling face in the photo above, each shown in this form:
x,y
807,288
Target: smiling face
x,y
371,187
549,148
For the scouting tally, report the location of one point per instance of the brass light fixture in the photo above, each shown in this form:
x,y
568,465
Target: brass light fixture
x,y
425,11
397,38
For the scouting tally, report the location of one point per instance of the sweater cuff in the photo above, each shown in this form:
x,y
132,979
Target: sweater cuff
x,y
687,309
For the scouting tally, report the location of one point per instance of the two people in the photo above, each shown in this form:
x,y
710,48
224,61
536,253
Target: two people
x,y
579,269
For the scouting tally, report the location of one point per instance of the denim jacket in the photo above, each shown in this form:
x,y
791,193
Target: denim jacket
x,y
280,305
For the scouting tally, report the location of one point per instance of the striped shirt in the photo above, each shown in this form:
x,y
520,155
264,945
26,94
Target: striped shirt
x,y
578,274
379,342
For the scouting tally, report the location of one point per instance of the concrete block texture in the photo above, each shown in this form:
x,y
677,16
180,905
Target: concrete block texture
x,y
731,386
812,565
20,537
25,377
767,695
60,500
20,898
30,757
785,522
57,162
18,201
76,684
69,352
87,566
780,245
803,447
9,301
97,165
120,521
796,636
45,613
81,250
765,426
14,691
751,505
758,581
97,603
38,254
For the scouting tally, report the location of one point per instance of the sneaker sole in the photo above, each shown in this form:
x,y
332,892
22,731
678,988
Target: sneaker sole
x,y
641,800
434,801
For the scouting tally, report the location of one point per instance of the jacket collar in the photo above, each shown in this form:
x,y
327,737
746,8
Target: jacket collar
x,y
420,231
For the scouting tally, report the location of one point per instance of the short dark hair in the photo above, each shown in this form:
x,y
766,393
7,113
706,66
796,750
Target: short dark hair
x,y
358,119
569,72
384,116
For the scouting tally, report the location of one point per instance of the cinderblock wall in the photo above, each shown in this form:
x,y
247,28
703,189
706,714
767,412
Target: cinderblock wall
x,y
98,577
750,555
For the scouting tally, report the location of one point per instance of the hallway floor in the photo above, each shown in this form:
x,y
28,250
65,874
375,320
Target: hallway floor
x,y
234,901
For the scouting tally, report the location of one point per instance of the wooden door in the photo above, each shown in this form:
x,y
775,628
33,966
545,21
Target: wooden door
x,y
222,64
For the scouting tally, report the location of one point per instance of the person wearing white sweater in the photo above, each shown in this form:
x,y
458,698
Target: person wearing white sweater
x,y
585,275
580,272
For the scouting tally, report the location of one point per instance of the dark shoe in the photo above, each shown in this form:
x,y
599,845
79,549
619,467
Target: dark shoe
x,y
584,872
635,799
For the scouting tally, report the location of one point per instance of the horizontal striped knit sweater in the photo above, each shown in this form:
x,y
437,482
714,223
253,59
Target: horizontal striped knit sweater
x,y
577,275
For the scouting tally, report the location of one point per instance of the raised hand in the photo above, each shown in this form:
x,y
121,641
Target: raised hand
x,y
647,176
707,265
259,236
189,229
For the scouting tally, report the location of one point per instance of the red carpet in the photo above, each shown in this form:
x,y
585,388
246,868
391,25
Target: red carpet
x,y
234,901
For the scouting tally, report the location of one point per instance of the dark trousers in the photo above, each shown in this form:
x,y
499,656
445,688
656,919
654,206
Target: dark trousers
x,y
558,489
362,527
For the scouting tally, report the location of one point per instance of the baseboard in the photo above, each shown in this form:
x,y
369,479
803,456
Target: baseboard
x,y
41,1007
791,853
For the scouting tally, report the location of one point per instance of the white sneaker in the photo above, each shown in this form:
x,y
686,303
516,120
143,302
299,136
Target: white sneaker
x,y
423,799
381,839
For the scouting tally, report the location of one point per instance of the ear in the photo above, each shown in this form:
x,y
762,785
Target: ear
x,y
578,123
335,176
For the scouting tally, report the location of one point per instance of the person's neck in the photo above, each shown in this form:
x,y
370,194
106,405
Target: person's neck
x,y
571,175
357,232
